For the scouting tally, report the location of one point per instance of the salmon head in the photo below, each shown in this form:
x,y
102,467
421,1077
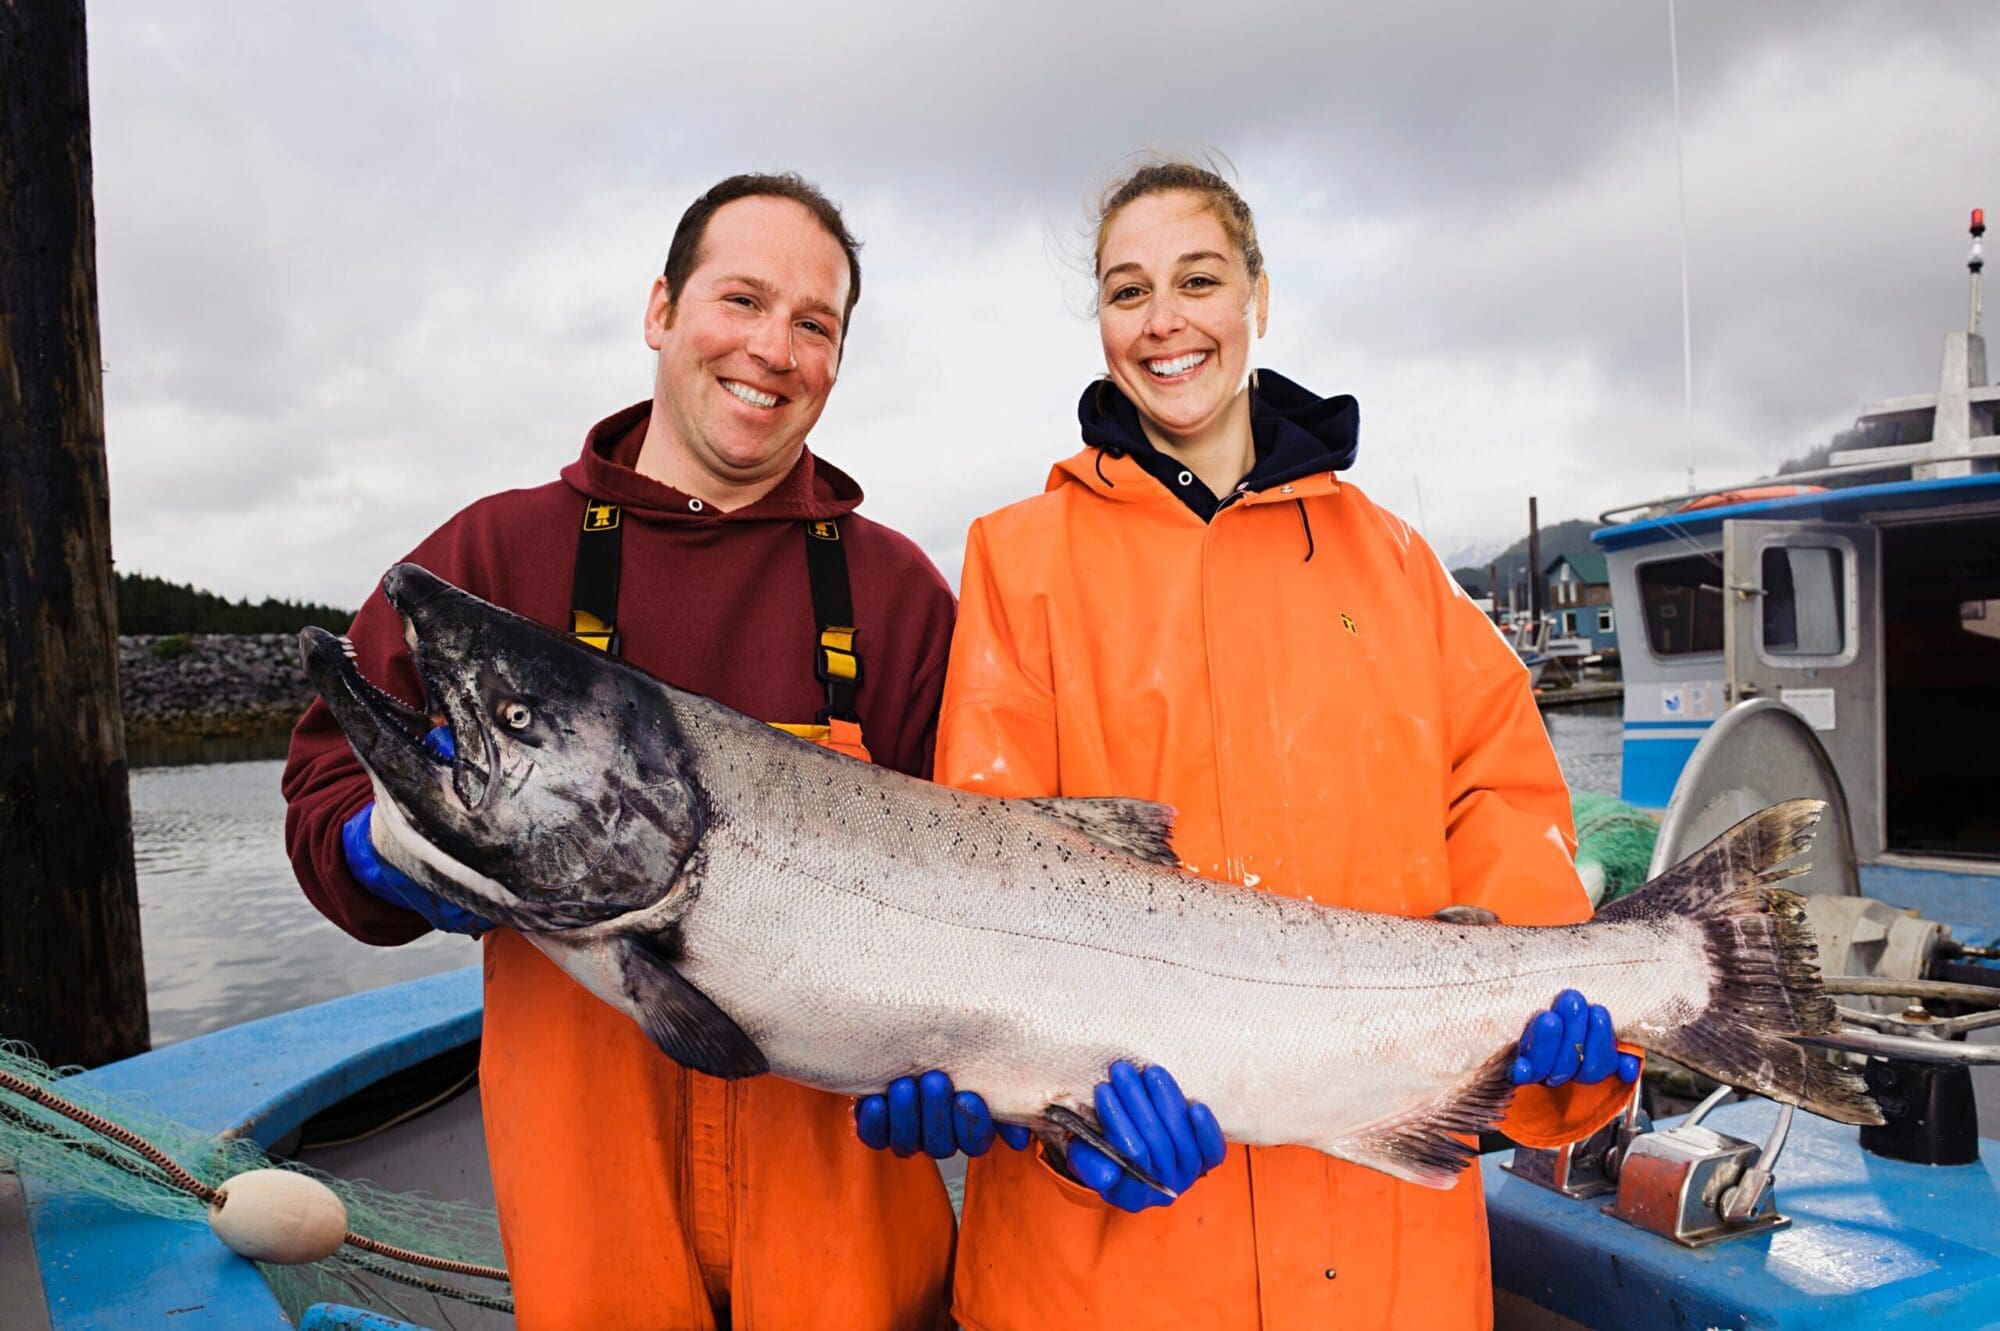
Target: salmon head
x,y
571,800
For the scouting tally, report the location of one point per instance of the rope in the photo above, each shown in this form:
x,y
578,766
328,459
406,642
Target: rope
x,y
103,1127
425,1259
496,1302
188,1183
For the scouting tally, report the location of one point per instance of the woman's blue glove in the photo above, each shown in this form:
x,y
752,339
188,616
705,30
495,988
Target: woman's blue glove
x,y
1572,1041
392,884
1148,1119
923,1114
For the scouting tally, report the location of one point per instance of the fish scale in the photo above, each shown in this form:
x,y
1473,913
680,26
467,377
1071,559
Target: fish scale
x,y
762,905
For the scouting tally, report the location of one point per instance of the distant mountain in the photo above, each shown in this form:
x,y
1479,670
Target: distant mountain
x,y
154,605
1877,435
1562,538
1476,555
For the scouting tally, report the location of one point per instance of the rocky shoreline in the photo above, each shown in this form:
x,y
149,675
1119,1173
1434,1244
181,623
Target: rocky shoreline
x,y
210,686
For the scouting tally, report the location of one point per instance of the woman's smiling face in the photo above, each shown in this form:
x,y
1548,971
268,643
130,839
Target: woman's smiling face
x,y
1176,310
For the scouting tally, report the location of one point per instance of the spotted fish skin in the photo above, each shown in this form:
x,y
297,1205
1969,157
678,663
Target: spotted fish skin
x,y
760,904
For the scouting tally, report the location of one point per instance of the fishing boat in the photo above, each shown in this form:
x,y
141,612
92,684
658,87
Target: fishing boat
x,y
1832,633
379,1086
1529,639
1862,599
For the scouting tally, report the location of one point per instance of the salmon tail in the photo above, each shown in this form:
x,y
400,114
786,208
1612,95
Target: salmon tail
x,y
1763,966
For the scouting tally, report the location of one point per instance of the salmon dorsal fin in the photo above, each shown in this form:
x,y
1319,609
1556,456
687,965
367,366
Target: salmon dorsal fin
x,y
1138,828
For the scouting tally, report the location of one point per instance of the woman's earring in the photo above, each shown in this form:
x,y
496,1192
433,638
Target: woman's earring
x,y
1253,381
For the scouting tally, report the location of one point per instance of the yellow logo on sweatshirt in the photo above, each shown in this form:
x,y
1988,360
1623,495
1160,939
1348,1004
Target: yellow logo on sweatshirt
x,y
600,517
1347,622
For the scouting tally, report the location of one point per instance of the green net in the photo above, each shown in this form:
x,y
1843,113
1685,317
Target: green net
x,y
44,1145
1614,843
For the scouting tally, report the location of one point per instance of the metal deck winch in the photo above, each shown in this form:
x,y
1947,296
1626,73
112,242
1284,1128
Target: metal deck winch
x,y
1695,1186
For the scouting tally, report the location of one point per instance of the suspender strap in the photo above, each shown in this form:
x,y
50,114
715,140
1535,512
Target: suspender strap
x,y
834,660
594,602
593,597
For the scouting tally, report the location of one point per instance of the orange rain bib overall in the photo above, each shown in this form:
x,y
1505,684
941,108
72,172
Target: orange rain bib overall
x,y
635,1193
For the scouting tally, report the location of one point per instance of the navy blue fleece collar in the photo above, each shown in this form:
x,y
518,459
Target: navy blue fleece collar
x,y
1296,434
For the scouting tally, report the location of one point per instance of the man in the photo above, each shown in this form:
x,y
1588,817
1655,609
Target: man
x,y
698,537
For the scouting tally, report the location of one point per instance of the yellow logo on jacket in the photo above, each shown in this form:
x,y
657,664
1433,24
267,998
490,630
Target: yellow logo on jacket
x,y
600,517
1347,622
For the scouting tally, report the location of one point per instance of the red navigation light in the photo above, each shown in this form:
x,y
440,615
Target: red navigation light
x,y
1978,221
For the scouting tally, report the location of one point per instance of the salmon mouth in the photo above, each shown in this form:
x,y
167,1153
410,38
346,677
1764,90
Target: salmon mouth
x,y
387,734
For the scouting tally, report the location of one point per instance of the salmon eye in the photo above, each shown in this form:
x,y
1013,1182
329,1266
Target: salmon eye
x,y
515,715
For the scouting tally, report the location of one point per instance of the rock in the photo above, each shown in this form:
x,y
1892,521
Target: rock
x,y
210,685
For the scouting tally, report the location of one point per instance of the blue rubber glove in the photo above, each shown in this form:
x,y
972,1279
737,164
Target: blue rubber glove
x,y
1147,1117
1572,1041
392,884
923,1114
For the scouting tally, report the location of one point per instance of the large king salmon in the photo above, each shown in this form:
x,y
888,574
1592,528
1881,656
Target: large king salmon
x,y
760,904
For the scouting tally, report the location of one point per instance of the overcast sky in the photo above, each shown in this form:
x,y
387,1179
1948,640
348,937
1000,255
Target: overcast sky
x,y
359,264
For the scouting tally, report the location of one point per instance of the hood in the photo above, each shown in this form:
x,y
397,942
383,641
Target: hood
x,y
1296,432
812,489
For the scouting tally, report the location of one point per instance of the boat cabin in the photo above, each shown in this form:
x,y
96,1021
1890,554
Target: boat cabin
x,y
1864,596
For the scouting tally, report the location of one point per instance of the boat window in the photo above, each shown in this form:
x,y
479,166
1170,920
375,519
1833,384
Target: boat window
x,y
1682,599
1604,620
1805,600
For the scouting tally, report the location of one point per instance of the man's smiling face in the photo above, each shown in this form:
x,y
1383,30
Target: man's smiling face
x,y
750,351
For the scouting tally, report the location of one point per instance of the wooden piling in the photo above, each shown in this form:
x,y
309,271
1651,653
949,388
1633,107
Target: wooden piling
x,y
1534,564
72,983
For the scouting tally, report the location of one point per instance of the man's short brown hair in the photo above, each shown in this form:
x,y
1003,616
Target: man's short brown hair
x,y
685,251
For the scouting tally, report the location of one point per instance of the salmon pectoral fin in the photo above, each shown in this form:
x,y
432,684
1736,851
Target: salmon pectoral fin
x,y
683,1021
1466,915
1419,1146
1138,828
1064,1121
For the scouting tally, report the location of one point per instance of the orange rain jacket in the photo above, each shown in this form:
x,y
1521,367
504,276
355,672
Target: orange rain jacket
x,y
1347,727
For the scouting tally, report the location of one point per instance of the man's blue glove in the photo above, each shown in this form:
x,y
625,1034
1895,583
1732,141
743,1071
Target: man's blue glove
x,y
392,884
923,1114
1572,1041
1146,1117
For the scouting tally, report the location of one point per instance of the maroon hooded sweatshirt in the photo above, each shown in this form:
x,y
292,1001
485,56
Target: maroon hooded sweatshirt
x,y
715,603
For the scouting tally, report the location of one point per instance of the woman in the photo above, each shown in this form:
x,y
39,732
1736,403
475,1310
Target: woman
x,y
1199,611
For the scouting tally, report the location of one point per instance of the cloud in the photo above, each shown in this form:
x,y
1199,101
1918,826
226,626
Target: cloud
x,y
360,264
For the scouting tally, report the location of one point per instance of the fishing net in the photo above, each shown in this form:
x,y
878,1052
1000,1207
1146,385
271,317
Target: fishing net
x,y
43,1144
1614,844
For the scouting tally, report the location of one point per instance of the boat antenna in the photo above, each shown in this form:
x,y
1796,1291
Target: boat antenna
x,y
1680,178
1973,264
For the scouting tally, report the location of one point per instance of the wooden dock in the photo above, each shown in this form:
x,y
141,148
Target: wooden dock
x,y
1577,695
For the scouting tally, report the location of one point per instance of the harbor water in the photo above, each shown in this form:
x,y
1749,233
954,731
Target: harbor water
x,y
229,936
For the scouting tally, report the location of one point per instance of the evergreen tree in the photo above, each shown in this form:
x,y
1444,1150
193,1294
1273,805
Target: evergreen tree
x,y
153,605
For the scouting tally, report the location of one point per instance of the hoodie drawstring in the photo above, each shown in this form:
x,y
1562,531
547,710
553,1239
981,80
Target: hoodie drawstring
x,y
1115,452
1306,522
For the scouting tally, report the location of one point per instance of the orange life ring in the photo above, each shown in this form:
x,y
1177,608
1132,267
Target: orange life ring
x,y
1749,493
